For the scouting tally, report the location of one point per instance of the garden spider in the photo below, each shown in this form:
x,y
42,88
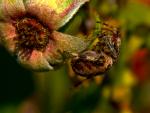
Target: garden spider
x,y
101,56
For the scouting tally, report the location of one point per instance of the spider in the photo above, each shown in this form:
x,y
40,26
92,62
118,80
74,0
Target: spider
x,y
103,54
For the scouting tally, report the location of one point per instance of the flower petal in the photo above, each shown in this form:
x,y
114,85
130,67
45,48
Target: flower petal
x,y
11,8
7,36
68,43
61,44
36,62
55,13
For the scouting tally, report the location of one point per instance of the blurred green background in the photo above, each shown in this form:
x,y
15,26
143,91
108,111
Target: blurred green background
x,y
125,88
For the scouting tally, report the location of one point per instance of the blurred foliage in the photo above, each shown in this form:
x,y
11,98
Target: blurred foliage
x,y
125,88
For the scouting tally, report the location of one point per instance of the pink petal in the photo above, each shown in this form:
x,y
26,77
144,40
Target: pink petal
x,y
36,61
52,53
11,9
55,13
7,36
43,13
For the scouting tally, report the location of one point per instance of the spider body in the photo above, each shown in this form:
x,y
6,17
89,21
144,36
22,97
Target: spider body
x,y
91,63
101,56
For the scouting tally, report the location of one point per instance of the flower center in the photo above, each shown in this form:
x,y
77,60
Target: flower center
x,y
31,35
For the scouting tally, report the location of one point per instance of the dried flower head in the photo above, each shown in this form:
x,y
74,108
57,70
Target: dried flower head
x,y
28,31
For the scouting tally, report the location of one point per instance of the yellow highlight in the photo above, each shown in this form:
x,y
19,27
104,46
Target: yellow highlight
x,y
134,43
128,78
57,5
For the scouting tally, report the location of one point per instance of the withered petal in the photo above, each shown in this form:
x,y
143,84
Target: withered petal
x,y
7,36
35,62
10,9
55,13
68,43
